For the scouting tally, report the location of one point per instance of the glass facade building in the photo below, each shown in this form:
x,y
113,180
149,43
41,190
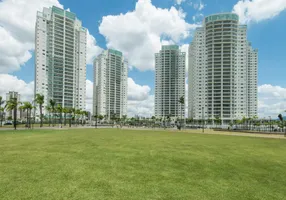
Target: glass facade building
x,y
110,84
222,70
170,68
60,58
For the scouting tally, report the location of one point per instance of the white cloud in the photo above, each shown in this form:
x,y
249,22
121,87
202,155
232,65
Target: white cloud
x,y
12,83
89,95
198,18
271,100
179,2
258,10
137,92
92,49
13,52
138,34
199,5
143,108
17,32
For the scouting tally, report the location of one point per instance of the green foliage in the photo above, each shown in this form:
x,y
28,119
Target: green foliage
x,y
12,105
182,100
40,99
280,117
1,110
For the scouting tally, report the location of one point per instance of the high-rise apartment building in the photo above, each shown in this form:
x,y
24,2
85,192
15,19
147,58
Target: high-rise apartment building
x,y
170,68
110,84
222,70
60,58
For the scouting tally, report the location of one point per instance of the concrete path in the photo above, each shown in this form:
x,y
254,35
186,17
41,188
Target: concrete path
x,y
196,131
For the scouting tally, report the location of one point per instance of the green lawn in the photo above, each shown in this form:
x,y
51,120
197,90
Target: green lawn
x,y
125,164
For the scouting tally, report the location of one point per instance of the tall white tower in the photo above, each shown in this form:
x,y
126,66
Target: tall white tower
x,y
110,84
222,70
170,81
60,58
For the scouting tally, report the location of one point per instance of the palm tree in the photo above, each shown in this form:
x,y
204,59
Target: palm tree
x,y
1,110
100,117
217,121
182,102
40,100
78,114
52,105
13,104
281,118
85,115
69,111
65,111
73,111
27,106
49,109
1,116
60,111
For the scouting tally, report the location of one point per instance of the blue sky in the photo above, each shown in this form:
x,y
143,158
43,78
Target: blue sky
x,y
108,24
268,36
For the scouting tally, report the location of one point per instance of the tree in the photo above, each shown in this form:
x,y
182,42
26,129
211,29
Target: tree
x,y
12,105
70,110
52,105
100,117
217,120
27,106
60,112
49,109
182,102
40,99
65,111
1,110
281,119
73,111
85,115
1,116
78,113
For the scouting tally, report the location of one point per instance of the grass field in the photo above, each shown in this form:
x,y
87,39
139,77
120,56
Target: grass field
x,y
127,164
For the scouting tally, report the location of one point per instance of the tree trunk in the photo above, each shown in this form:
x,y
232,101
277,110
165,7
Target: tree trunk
x,y
49,119
181,116
54,119
1,115
27,123
61,119
65,122
30,118
41,116
15,118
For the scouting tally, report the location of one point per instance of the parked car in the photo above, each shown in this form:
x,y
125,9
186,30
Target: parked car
x,y
8,123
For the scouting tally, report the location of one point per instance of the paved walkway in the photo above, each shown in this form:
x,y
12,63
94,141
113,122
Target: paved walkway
x,y
212,132
260,135
193,131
